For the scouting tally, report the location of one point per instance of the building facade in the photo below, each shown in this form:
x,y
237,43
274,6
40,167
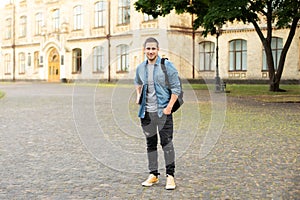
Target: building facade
x,y
55,40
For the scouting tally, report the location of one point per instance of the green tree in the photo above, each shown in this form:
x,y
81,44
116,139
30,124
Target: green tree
x,y
210,14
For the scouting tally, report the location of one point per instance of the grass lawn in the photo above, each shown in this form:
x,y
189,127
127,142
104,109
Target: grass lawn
x,y
258,92
1,94
255,91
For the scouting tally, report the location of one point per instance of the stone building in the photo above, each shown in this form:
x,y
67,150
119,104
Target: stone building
x,y
56,40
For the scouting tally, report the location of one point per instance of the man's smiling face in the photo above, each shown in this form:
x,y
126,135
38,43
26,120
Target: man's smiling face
x,y
151,51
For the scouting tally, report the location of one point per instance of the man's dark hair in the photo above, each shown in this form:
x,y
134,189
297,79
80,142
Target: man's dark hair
x,y
151,39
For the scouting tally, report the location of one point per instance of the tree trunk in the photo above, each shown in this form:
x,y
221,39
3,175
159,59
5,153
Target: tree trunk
x,y
275,83
275,76
274,86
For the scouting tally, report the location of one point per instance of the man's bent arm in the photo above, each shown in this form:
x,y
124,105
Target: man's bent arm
x,y
168,110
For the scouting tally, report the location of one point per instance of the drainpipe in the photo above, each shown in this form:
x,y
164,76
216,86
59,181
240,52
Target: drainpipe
x,y
193,47
13,46
108,40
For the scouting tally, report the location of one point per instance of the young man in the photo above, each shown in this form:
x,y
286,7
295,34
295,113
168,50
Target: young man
x,y
156,102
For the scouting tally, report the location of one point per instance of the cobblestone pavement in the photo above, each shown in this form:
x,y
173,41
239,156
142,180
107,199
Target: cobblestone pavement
x,y
60,141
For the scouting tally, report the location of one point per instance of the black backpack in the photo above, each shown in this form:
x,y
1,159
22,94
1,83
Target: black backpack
x,y
179,100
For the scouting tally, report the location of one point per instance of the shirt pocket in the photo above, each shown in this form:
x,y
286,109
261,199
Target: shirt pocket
x,y
160,79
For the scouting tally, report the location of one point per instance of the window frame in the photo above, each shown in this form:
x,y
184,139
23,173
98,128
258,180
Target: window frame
x,y
123,58
22,62
98,59
8,27
23,26
7,63
123,12
238,55
77,18
208,56
99,15
55,20
276,52
76,61
39,22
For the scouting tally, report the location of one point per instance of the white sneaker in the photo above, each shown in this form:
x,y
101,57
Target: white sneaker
x,y
152,179
170,185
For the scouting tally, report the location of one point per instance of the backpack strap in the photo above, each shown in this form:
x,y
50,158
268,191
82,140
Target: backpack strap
x,y
163,67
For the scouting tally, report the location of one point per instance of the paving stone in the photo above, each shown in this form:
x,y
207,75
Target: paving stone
x,y
60,141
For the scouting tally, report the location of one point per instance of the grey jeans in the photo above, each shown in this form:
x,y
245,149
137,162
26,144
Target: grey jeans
x,y
152,124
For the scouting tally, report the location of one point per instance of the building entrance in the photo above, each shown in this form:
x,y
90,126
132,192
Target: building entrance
x,y
53,66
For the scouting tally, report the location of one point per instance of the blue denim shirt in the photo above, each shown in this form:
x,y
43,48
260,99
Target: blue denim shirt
x,y
161,89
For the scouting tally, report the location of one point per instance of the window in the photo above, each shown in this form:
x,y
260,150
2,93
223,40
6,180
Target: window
x,y
55,20
238,55
38,23
99,14
21,63
124,12
98,59
23,26
276,46
76,66
7,69
77,16
8,27
148,17
207,56
36,60
123,63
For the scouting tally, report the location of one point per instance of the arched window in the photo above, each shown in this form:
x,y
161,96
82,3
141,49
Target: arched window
x,y
276,46
77,18
38,23
123,56
7,62
99,14
124,12
23,21
55,20
238,55
76,61
8,28
207,56
21,63
98,59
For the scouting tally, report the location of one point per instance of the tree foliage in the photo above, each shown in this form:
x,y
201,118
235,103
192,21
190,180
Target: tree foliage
x,y
212,13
